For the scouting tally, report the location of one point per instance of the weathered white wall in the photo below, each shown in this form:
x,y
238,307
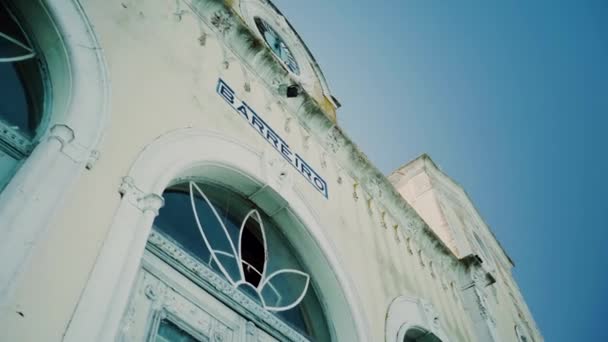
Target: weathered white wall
x,y
444,205
164,63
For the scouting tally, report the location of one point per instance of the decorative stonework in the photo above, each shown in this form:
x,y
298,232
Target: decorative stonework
x,y
383,223
306,141
368,202
334,140
374,187
287,126
484,309
408,245
421,258
407,312
15,140
145,202
324,160
210,280
221,21
430,314
396,231
251,329
93,157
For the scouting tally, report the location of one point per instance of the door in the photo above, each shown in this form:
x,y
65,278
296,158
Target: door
x,y
166,306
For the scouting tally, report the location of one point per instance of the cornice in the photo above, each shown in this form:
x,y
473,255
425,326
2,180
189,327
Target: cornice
x,y
328,135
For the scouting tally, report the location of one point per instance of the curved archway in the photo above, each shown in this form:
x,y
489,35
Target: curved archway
x,y
412,319
173,158
76,119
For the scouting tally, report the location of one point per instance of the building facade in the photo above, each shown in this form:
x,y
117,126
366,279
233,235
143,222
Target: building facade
x,y
172,170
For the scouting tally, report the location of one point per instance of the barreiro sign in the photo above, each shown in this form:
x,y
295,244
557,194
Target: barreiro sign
x,y
272,137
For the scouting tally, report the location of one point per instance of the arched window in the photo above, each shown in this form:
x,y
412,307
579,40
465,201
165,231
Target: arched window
x,y
208,231
21,93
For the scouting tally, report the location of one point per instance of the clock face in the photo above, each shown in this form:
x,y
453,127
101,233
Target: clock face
x,y
277,45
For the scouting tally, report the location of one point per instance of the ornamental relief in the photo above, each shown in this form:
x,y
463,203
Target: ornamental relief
x,y
154,301
212,281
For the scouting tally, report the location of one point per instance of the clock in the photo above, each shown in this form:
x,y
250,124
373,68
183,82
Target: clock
x,y
277,45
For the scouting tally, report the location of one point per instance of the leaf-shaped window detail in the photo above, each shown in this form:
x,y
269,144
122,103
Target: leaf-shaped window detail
x,y
293,285
253,248
14,46
286,288
215,235
229,234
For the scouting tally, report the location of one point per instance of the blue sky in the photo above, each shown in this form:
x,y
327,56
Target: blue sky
x,y
511,100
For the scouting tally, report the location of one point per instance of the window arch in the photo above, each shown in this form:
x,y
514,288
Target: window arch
x,y
411,319
208,156
22,92
231,235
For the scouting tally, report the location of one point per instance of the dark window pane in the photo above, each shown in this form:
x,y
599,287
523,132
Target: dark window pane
x,y
169,332
8,164
21,90
13,102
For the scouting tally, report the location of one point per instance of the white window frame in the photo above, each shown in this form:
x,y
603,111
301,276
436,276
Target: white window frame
x,y
163,292
218,286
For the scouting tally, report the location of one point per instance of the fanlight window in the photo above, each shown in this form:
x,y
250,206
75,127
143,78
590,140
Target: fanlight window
x,y
277,45
230,235
21,89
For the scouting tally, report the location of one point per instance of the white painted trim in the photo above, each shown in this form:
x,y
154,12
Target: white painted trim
x,y
178,155
79,115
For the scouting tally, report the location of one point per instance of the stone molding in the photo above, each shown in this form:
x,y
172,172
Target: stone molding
x,y
77,121
405,313
211,281
138,198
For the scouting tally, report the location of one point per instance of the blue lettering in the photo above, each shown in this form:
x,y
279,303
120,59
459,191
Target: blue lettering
x,y
243,110
224,90
256,121
319,183
273,138
305,169
286,152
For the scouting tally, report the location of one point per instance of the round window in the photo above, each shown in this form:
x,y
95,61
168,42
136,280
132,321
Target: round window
x,y
277,45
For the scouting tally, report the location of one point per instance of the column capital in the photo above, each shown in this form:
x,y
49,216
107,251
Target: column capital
x,y
143,201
